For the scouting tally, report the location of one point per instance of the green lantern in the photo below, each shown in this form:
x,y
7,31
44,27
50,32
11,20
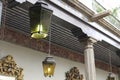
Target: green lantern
x,y
48,66
40,19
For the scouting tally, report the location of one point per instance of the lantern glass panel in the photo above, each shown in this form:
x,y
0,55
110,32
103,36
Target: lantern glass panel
x,y
40,19
48,69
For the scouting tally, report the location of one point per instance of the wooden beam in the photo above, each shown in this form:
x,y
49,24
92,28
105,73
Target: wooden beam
x,y
96,17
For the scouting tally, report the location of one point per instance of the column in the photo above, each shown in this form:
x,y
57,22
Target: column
x,y
90,59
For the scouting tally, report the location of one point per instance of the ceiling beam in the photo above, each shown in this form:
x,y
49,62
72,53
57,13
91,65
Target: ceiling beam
x,y
101,15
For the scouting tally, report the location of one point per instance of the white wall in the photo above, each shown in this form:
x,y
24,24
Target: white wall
x,y
31,61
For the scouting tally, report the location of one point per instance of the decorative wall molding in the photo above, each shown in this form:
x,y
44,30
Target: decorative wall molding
x,y
21,39
8,67
74,74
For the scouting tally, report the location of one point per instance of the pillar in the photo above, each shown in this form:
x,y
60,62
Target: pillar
x,y
90,59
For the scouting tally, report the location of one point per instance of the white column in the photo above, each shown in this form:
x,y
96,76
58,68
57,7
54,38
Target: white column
x,y
89,59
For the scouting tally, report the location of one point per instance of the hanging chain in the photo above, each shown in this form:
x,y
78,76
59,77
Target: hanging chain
x,y
4,17
49,40
50,35
110,62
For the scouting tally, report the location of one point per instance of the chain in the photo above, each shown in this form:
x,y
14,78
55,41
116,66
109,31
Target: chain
x,y
49,40
4,18
110,62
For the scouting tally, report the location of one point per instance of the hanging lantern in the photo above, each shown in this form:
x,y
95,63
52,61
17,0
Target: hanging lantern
x,y
40,19
48,66
111,76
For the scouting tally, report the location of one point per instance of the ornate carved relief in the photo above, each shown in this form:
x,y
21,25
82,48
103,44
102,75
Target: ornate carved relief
x,y
8,67
74,74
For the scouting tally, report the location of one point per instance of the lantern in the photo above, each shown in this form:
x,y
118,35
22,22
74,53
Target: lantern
x,y
40,19
48,66
111,76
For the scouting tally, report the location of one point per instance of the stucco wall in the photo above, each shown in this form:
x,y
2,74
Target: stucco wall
x,y
31,61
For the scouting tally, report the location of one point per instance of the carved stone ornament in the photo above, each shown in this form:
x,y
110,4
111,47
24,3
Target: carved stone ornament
x,y
8,67
74,74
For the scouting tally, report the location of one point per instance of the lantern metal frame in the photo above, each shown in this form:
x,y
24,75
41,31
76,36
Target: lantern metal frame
x,y
40,19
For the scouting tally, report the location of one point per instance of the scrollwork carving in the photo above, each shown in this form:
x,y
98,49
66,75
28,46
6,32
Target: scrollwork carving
x,y
8,67
74,74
